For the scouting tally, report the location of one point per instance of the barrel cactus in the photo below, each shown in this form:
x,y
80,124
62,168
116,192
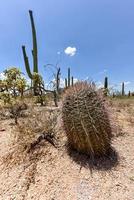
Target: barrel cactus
x,y
86,120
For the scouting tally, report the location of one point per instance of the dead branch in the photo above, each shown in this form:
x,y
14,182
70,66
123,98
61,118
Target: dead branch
x,y
49,137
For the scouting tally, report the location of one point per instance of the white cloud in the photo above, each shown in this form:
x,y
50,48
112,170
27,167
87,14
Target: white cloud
x,y
2,76
70,51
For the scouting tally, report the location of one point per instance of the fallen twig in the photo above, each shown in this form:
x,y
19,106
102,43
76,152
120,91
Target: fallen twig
x,y
44,136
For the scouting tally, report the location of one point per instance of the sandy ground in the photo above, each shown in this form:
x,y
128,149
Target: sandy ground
x,y
51,173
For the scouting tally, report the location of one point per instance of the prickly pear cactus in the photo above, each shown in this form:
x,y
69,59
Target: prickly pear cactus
x,y
85,119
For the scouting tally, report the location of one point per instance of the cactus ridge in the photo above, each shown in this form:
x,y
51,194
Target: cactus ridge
x,y
86,120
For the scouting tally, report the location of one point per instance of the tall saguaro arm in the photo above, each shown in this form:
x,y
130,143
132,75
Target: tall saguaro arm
x,y
35,50
26,62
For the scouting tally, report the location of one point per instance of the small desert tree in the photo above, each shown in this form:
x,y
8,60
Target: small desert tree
x,y
13,83
12,86
55,82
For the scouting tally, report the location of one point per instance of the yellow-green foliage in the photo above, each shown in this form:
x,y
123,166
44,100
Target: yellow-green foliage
x,y
13,83
21,85
37,79
5,97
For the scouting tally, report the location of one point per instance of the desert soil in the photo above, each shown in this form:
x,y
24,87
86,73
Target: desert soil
x,y
50,173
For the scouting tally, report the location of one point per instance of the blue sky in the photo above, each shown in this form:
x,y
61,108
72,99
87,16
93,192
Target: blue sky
x,y
102,31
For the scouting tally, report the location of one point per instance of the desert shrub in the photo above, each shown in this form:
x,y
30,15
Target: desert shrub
x,y
32,136
5,96
16,109
14,83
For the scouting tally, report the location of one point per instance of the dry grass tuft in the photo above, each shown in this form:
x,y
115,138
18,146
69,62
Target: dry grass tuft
x,y
27,134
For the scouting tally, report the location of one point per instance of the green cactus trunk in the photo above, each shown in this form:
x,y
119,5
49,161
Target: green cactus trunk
x,y
72,80
34,54
27,66
123,89
35,50
65,83
106,86
68,77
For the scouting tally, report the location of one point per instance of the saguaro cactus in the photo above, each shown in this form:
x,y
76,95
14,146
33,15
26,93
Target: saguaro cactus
x,y
34,51
129,93
72,80
123,89
106,83
69,77
65,83
106,86
69,81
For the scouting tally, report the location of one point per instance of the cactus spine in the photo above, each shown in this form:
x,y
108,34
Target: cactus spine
x,y
34,51
86,120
